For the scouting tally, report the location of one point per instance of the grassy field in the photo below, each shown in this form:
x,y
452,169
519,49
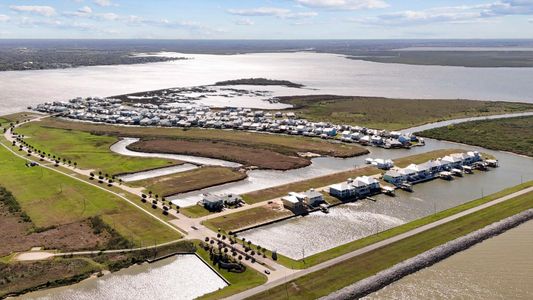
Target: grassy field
x,y
472,59
189,180
235,152
510,134
333,278
246,218
88,150
282,190
239,281
52,199
394,114
25,277
288,145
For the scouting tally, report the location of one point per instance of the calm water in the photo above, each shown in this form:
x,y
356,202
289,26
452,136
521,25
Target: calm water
x,y
318,232
498,268
120,147
327,73
181,277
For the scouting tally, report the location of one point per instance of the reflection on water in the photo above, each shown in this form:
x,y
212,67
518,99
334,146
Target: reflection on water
x,y
344,77
157,172
427,198
181,277
318,232
498,268
120,148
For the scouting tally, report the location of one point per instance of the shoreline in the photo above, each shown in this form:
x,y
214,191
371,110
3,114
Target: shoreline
x,y
428,258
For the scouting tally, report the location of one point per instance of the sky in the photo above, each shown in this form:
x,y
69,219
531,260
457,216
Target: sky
x,y
266,19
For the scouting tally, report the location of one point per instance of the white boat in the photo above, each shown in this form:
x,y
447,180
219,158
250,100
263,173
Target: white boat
x,y
457,172
446,175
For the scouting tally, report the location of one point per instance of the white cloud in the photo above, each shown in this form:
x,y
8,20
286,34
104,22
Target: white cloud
x,y
4,18
272,12
453,14
107,16
344,4
260,11
104,3
47,11
244,22
85,10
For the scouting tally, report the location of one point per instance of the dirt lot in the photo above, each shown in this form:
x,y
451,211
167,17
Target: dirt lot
x,y
262,158
17,235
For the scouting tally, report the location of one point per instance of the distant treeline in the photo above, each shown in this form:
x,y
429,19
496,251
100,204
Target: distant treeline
x,y
260,81
17,59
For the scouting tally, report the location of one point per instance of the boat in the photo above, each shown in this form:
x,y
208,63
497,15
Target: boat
x,y
480,165
493,163
446,175
388,190
457,172
406,186
468,169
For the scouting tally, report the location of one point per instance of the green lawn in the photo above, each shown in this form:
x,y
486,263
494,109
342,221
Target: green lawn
x,y
510,134
333,278
394,114
50,199
88,150
245,218
239,281
195,211
284,144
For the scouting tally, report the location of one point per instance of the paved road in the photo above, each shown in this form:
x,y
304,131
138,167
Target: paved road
x,y
8,137
181,224
340,259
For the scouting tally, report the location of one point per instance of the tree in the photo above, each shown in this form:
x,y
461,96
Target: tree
x,y
75,164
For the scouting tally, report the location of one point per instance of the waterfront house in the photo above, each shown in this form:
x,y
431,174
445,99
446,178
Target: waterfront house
x,y
294,202
212,202
359,187
313,198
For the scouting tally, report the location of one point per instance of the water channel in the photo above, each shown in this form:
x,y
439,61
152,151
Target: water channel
x,y
180,277
498,268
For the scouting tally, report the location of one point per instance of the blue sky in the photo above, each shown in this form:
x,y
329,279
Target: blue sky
x,y
267,19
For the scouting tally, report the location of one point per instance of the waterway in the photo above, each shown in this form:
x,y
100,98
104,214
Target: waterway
x,y
322,73
157,172
120,147
498,268
180,277
317,232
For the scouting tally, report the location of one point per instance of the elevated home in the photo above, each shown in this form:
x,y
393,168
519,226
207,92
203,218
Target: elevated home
x,y
298,201
431,169
214,202
361,186
313,198
294,202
